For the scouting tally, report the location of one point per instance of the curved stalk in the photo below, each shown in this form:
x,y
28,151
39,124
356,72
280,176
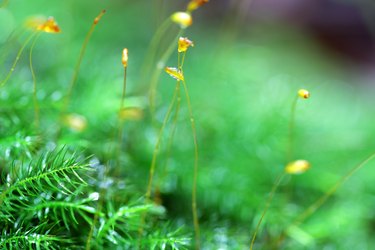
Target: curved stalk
x,y
155,41
120,122
159,67
289,156
195,177
35,98
268,203
3,82
4,4
78,65
170,141
313,207
153,163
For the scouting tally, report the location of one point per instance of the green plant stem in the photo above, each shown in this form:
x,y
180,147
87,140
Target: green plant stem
x,y
268,203
157,145
174,125
3,82
120,122
35,98
289,156
4,4
312,208
159,13
153,163
98,211
171,138
78,65
155,41
10,42
159,67
123,90
195,176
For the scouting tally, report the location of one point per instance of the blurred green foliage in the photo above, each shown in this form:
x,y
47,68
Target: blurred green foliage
x,y
242,80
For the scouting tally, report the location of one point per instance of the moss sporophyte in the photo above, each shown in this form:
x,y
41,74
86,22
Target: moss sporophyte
x,y
46,25
156,64
177,73
293,167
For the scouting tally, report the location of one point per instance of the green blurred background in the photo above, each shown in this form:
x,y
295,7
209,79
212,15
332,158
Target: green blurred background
x,y
243,73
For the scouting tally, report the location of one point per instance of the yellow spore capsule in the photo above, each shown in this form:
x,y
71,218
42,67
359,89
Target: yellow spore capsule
x,y
184,19
184,43
297,167
41,23
125,57
175,73
131,114
49,26
97,19
195,4
303,93
75,122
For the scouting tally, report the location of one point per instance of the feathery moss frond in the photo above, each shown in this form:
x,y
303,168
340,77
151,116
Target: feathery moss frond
x,y
166,239
54,172
66,210
36,237
122,215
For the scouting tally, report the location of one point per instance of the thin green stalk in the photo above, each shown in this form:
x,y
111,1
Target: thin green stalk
x,y
154,44
268,203
78,65
123,90
180,62
170,140
120,122
4,4
10,42
96,217
35,98
159,67
153,162
312,208
158,142
3,82
195,177
289,156
159,6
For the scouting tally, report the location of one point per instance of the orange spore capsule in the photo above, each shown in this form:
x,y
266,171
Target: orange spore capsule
x,y
303,93
184,19
50,26
125,57
184,44
195,4
75,122
97,19
175,73
297,167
